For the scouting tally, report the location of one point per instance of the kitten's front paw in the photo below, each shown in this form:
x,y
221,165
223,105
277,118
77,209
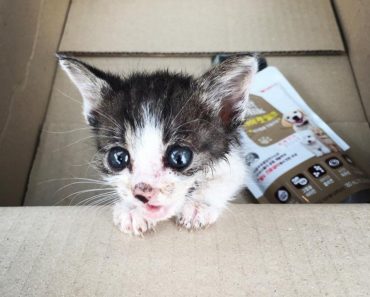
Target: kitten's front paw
x,y
197,215
131,221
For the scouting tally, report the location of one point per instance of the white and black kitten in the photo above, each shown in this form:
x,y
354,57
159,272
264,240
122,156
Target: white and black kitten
x,y
169,143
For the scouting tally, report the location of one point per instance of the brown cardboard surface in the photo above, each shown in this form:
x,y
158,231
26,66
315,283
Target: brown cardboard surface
x,y
167,26
29,33
66,150
253,250
326,84
358,137
354,17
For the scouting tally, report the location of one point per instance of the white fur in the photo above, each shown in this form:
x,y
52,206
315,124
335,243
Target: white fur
x,y
312,143
146,149
235,81
216,187
216,190
88,84
323,139
130,220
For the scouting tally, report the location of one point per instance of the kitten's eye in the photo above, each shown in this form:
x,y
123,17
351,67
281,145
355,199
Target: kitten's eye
x,y
179,157
118,158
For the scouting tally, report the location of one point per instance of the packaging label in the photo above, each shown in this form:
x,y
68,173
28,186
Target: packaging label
x,y
293,156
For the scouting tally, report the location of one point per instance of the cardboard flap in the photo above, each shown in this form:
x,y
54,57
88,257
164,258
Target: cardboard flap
x,y
252,250
354,18
167,26
30,34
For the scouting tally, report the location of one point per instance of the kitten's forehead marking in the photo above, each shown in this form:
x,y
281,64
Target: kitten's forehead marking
x,y
146,147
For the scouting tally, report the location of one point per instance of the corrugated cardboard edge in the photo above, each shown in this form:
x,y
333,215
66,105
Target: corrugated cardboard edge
x,y
251,251
30,93
354,16
201,27
201,54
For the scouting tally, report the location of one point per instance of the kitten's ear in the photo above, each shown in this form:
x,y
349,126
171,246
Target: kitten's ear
x,y
88,80
226,87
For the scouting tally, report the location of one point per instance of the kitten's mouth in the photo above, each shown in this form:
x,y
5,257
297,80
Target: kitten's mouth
x,y
149,207
152,208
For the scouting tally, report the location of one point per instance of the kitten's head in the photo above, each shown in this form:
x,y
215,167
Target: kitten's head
x,y
157,134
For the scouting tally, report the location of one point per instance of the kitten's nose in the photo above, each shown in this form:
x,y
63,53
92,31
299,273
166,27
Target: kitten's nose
x,y
144,192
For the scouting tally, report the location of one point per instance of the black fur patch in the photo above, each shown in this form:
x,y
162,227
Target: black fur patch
x,y
173,99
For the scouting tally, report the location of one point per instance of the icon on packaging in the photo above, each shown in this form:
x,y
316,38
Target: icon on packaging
x,y
282,195
334,162
299,181
317,171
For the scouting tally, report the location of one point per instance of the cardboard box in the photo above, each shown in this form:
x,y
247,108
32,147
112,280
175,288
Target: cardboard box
x,y
253,250
209,26
354,17
313,76
30,34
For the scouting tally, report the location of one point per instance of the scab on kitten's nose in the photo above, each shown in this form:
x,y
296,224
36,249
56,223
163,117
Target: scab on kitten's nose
x,y
144,192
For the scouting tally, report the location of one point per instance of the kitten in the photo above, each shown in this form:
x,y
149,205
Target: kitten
x,y
170,144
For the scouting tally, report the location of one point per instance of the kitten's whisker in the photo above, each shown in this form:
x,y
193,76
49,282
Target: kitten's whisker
x,y
102,206
107,201
181,109
65,132
109,118
82,165
83,129
81,192
71,178
73,143
76,183
101,201
86,201
95,155
69,97
216,128
95,197
78,141
188,122
92,162
97,111
196,120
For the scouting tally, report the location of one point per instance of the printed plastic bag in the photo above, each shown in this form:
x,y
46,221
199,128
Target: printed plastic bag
x,y
293,156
